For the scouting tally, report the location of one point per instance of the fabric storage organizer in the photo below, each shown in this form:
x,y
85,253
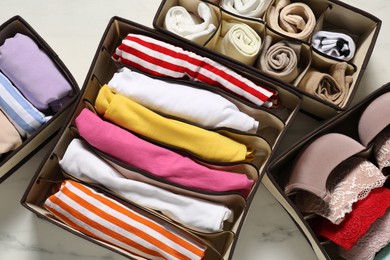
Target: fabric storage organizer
x,y
39,124
350,153
261,38
273,123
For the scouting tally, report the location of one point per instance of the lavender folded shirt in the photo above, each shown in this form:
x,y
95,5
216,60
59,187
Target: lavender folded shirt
x,y
34,74
161,162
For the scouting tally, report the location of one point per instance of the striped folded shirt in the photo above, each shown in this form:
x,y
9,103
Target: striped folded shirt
x,y
103,218
163,59
21,113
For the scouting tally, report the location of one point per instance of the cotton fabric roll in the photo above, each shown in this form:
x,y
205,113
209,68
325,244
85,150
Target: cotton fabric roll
x,y
33,73
246,8
24,116
198,106
9,136
105,219
335,44
295,20
195,26
239,41
280,60
205,144
205,216
163,59
171,166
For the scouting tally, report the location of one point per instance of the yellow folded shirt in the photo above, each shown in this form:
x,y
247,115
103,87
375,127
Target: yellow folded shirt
x,y
206,144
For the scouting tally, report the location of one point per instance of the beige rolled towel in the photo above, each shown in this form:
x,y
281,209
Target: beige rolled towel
x,y
246,8
280,60
239,41
295,20
332,87
9,136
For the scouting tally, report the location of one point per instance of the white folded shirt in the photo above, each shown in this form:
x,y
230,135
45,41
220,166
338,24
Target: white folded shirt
x,y
80,162
198,106
335,44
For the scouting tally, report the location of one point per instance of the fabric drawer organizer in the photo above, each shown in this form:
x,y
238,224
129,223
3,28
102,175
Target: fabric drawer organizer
x,y
320,48
36,91
141,152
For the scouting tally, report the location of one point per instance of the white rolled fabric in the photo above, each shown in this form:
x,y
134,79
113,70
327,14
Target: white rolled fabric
x,y
239,41
247,8
195,27
335,44
80,162
199,106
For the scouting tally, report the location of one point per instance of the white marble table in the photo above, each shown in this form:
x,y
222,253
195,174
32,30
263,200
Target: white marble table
x,y
73,29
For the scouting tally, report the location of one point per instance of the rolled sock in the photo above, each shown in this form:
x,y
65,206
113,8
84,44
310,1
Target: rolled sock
x,y
33,72
24,116
247,8
335,44
163,59
202,143
9,136
80,162
199,106
103,218
194,26
239,41
167,164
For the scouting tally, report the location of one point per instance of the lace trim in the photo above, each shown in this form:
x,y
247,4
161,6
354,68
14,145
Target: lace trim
x,y
382,149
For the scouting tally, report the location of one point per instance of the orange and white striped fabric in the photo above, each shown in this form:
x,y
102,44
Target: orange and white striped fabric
x,y
98,216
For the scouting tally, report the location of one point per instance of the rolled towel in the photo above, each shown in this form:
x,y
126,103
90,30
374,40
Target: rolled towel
x,y
205,216
9,136
34,73
332,87
295,20
162,59
280,60
197,27
247,8
168,165
199,106
23,115
205,144
239,41
335,44
101,217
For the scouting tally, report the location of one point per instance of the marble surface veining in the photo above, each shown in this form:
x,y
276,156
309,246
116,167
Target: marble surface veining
x,y
73,29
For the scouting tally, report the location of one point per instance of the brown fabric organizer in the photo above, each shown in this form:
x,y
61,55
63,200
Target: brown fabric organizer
x,y
11,161
329,15
221,244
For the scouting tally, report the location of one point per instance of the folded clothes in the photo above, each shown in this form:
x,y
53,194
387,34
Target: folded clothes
x,y
199,106
280,60
205,216
239,41
332,87
24,116
247,8
205,144
163,59
103,218
33,73
335,44
167,164
9,136
295,20
194,25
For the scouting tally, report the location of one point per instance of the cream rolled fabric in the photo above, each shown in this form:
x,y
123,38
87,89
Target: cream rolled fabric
x,y
9,136
247,8
335,44
280,60
197,27
239,41
80,162
199,106
295,20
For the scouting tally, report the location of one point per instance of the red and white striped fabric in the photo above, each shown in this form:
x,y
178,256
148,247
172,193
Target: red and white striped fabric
x,y
165,60
98,216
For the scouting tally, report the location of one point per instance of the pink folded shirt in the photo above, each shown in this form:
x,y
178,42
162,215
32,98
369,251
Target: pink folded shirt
x,y
156,160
